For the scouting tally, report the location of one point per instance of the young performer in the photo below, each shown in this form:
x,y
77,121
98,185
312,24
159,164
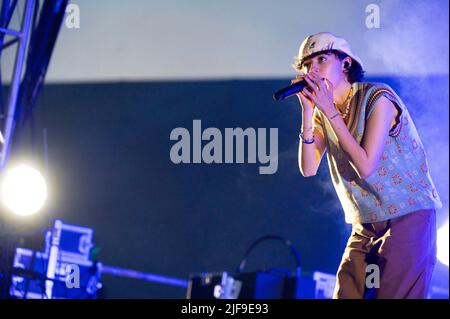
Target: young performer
x,y
378,167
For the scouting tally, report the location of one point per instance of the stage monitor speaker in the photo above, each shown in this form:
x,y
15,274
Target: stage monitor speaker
x,y
255,285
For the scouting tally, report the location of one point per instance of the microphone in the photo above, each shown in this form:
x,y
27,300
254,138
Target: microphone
x,y
289,90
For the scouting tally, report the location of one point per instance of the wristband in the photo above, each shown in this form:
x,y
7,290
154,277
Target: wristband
x,y
305,140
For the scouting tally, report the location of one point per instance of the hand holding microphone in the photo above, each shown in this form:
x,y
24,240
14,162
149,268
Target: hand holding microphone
x,y
306,103
319,92
296,87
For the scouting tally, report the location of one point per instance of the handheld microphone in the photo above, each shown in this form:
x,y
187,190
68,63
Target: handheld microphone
x,y
289,90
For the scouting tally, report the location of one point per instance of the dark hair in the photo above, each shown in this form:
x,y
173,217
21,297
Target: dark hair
x,y
355,73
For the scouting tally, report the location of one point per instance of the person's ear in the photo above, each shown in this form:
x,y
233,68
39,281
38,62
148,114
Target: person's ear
x,y
347,64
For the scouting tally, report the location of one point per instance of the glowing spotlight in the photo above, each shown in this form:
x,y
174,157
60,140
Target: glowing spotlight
x,y
23,190
442,244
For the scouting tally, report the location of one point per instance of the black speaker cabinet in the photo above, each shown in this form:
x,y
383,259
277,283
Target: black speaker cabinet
x,y
255,285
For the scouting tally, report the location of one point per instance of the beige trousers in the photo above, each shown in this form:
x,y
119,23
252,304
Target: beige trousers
x,y
400,253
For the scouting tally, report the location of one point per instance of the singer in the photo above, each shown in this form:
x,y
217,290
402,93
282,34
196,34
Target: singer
x,y
378,167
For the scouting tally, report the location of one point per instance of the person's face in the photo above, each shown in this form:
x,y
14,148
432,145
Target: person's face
x,y
327,66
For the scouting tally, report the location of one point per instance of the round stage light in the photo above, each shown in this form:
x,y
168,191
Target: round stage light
x,y
23,190
442,244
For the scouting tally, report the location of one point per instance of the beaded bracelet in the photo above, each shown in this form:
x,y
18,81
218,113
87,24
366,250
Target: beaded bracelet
x,y
305,140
